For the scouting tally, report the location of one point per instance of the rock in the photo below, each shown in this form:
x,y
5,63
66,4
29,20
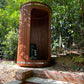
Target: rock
x,y
23,74
7,75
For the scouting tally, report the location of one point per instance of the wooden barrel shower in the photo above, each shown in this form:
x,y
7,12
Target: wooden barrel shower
x,y
34,35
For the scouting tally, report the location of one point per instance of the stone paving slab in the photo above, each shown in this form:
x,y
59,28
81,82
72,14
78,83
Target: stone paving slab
x,y
46,73
46,81
14,82
21,82
36,80
49,73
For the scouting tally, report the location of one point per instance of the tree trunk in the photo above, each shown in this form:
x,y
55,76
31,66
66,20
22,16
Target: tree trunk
x,y
60,42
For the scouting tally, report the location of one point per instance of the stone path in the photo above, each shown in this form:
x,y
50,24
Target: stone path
x,y
36,80
45,81
12,72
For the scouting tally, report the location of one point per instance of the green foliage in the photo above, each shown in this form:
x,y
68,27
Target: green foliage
x,y
2,4
78,59
11,43
75,68
54,45
67,21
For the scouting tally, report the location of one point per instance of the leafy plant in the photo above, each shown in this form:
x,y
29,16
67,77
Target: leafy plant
x,y
78,59
11,43
67,20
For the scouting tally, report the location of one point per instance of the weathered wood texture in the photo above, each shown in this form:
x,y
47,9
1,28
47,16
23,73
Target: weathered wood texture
x,y
35,19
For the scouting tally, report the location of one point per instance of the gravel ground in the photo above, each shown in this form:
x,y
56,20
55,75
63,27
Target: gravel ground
x,y
7,72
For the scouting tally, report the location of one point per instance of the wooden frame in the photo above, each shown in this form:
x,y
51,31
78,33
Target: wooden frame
x,y
35,20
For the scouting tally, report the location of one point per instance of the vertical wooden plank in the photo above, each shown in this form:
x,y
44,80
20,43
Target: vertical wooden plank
x,y
49,36
34,28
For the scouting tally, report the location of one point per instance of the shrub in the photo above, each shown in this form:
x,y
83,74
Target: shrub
x,y
11,42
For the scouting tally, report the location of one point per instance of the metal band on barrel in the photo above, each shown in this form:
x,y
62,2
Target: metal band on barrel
x,y
33,4
32,62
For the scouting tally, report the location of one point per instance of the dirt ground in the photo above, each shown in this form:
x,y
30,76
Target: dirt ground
x,y
7,70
